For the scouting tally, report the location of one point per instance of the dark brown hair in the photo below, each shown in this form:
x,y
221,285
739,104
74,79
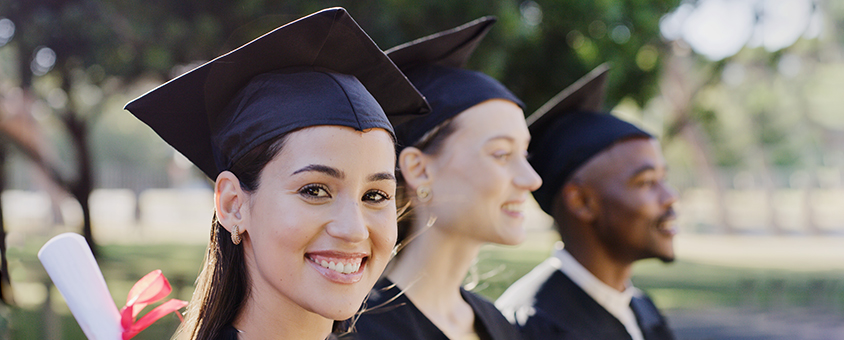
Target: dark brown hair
x,y
223,284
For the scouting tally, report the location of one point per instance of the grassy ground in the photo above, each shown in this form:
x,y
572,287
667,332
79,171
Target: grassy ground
x,y
45,316
677,288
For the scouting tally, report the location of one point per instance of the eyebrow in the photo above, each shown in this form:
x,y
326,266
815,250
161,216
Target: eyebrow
x,y
505,137
333,172
337,173
640,170
381,176
508,138
645,168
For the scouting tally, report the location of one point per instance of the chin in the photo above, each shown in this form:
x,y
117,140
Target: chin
x,y
513,237
339,316
666,258
342,304
338,312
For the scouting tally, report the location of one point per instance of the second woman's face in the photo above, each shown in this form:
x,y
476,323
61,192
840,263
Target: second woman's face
x,y
322,223
481,176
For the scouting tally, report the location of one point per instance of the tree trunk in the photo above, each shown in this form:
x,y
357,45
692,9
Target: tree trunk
x,y
83,186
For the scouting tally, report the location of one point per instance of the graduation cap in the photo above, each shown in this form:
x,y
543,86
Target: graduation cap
x,y
322,69
434,64
569,130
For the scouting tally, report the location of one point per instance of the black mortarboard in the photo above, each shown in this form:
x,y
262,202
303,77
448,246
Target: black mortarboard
x,y
434,65
322,69
569,130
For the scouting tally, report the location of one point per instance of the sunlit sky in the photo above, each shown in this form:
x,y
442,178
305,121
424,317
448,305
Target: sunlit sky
x,y
718,29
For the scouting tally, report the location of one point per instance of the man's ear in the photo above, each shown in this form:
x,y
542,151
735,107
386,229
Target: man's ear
x,y
230,202
413,164
579,201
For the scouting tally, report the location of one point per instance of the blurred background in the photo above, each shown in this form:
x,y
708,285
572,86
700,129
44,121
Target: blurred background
x,y
746,96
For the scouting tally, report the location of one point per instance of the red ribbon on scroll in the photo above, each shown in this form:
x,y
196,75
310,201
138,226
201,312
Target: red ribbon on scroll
x,y
149,289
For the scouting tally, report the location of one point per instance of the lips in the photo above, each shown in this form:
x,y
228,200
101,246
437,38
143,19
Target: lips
x,y
513,207
339,263
340,267
666,224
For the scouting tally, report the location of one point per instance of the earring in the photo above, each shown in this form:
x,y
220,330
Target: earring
x,y
235,235
423,193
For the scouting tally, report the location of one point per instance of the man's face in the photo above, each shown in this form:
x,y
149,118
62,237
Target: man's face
x,y
634,218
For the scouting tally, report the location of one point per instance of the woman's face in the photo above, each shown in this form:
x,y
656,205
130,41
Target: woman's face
x,y
481,178
322,223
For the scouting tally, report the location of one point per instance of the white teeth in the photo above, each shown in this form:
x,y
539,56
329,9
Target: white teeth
x,y
515,207
668,227
340,267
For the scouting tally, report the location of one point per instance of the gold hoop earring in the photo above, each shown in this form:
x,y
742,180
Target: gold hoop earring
x,y
423,193
236,234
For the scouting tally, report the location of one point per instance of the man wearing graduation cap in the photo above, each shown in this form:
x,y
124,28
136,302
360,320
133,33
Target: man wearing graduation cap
x,y
604,184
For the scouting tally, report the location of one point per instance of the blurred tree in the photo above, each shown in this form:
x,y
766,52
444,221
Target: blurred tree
x,y
740,84
71,55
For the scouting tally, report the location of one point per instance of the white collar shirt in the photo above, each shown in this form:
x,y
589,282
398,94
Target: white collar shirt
x,y
615,302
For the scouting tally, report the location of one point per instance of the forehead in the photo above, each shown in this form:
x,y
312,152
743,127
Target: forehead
x,y
330,144
635,149
626,158
492,118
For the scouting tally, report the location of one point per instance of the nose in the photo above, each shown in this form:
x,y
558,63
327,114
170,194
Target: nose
x,y
348,224
526,178
669,194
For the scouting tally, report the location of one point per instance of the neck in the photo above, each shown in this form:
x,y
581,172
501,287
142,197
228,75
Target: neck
x,y
269,316
430,271
598,260
433,266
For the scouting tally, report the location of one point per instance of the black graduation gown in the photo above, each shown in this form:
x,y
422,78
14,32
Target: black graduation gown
x,y
401,320
564,311
228,333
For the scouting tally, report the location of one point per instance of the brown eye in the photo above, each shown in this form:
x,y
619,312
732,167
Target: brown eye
x,y
376,196
314,191
647,182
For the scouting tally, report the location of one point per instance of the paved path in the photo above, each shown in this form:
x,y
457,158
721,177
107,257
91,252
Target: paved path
x,y
745,324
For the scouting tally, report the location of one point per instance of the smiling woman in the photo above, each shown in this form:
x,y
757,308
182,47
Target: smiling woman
x,y
304,161
465,176
321,221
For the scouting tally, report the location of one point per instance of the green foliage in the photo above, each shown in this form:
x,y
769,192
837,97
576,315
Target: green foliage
x,y
576,36
536,48
536,59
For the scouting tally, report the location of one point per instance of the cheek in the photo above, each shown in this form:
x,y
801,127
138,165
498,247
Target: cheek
x,y
482,176
619,208
633,207
285,226
383,229
649,205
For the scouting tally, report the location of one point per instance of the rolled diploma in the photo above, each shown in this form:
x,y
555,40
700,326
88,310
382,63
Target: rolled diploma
x,y
73,269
